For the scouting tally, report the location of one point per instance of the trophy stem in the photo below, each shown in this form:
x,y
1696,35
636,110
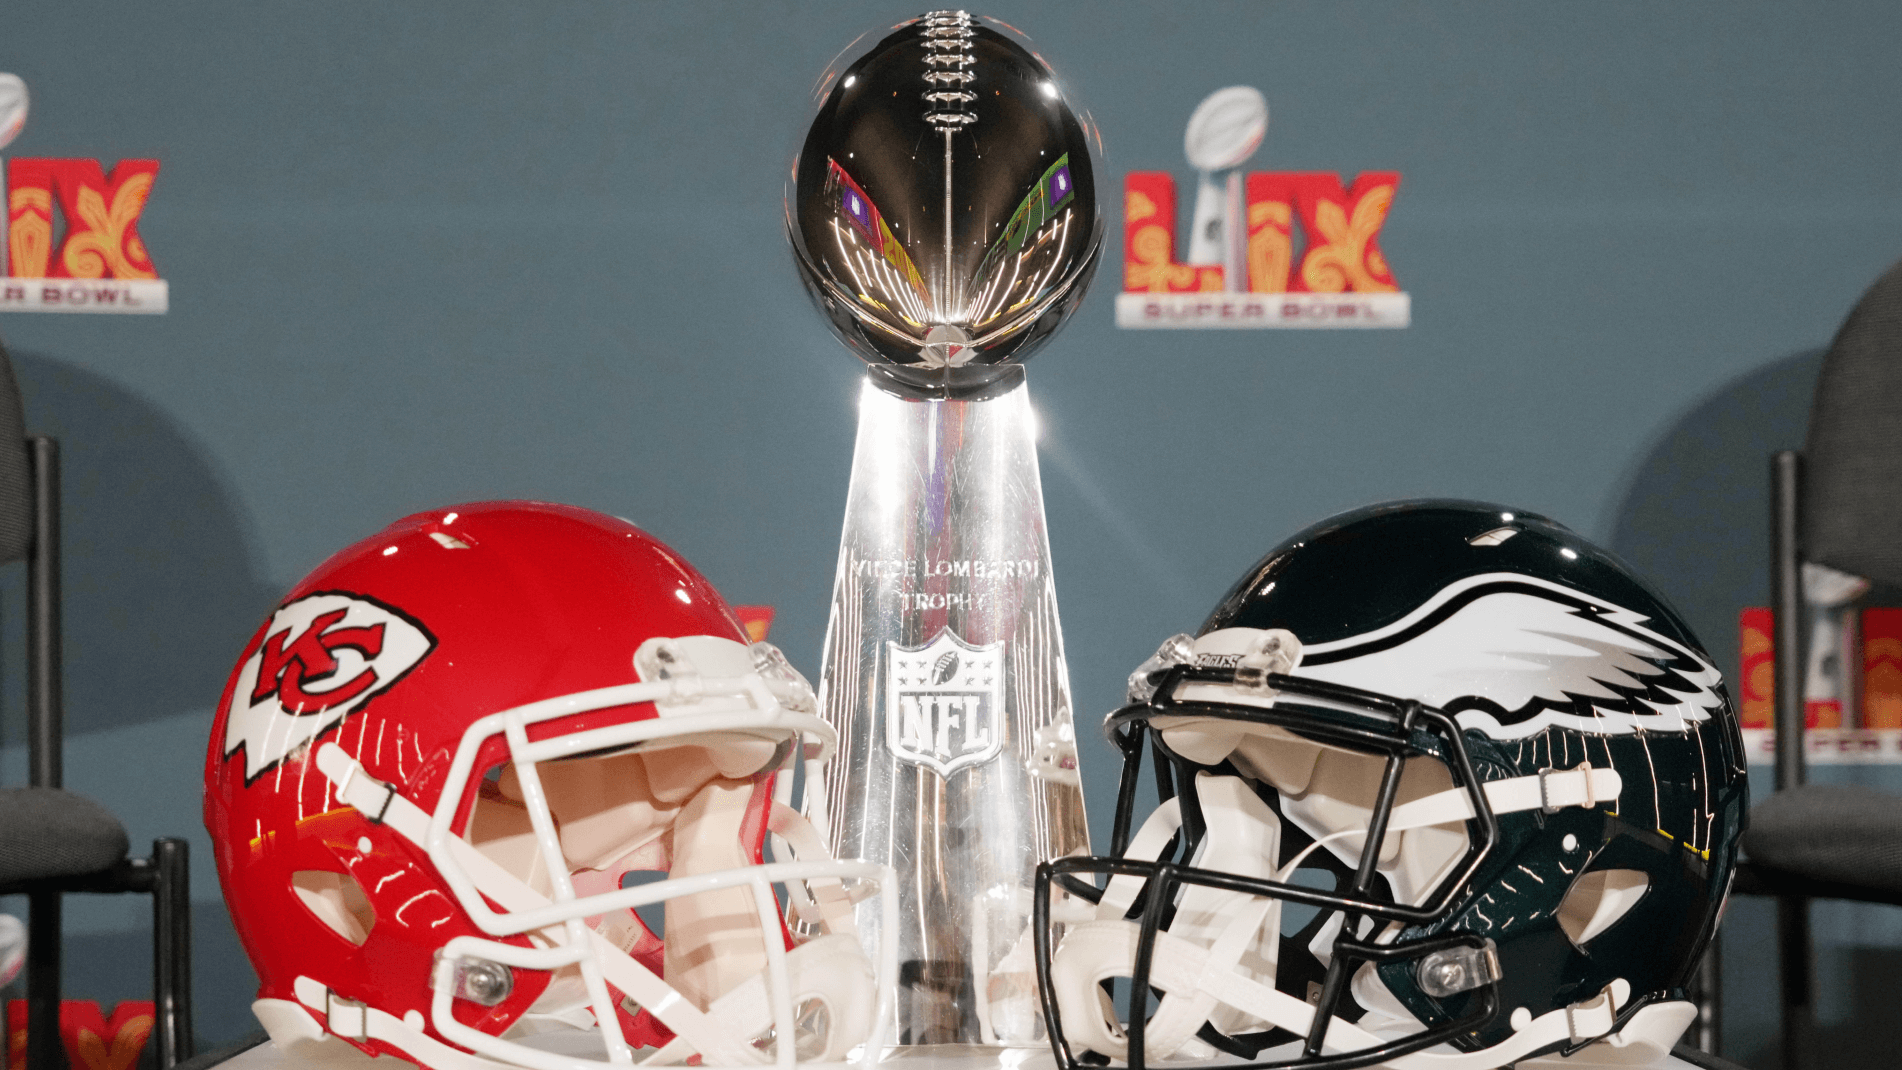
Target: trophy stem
x,y
945,677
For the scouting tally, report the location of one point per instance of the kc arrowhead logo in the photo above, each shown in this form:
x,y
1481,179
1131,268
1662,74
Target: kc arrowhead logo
x,y
322,658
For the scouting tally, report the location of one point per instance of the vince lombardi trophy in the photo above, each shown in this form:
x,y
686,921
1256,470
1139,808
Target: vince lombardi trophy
x,y
942,212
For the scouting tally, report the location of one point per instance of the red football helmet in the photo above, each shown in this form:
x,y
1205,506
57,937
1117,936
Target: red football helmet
x,y
443,766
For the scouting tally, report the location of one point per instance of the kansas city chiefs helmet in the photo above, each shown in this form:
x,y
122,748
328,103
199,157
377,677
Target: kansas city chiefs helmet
x,y
1438,785
493,788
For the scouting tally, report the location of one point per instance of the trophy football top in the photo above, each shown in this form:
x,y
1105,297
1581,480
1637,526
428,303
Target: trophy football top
x,y
943,209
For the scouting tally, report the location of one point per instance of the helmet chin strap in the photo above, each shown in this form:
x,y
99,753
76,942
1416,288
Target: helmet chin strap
x,y
1198,972
832,968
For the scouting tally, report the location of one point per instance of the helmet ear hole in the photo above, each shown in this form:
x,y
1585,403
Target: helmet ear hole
x,y
337,900
1597,900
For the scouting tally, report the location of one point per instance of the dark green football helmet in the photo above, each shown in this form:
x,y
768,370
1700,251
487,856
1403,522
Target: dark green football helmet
x,y
1438,785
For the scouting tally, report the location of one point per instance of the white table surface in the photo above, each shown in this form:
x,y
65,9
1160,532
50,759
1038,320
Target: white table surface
x,y
266,1056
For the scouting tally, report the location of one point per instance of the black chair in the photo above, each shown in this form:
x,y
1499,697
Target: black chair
x,y
1838,504
52,841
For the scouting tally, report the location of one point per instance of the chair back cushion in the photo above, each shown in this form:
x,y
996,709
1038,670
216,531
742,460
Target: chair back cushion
x,y
16,472
1852,465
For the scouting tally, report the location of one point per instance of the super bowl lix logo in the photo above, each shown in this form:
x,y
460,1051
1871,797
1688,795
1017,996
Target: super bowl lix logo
x,y
1273,249
100,264
942,702
320,659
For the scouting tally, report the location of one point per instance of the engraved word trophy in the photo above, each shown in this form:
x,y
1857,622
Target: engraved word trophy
x,y
943,215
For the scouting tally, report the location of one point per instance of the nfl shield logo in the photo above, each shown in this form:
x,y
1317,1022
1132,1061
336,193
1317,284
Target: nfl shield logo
x,y
942,702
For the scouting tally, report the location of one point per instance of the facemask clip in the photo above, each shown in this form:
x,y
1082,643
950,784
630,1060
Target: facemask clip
x,y
1273,651
1175,650
1453,970
784,681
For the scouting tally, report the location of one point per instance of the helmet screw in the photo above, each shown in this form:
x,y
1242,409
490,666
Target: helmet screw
x,y
484,982
1447,976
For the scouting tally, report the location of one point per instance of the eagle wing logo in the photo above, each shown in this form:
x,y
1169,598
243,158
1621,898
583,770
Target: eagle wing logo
x,y
1513,655
322,658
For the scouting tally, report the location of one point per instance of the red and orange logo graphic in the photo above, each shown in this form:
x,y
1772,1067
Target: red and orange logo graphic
x,y
101,263
72,239
1269,249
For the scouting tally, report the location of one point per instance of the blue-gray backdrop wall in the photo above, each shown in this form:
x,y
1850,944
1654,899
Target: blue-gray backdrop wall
x,y
434,252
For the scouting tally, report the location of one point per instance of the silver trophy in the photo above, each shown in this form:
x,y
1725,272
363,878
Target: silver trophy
x,y
1225,130
943,215
13,105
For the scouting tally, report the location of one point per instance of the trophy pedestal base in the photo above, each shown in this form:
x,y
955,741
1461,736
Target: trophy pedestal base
x,y
970,1057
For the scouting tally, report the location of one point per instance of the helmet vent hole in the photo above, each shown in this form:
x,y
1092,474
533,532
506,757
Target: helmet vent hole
x,y
1296,917
652,915
1598,900
337,900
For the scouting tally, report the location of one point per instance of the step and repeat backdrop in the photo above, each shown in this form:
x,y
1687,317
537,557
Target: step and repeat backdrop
x,y
279,274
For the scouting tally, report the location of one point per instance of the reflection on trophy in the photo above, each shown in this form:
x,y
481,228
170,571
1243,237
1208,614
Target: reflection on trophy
x,y
943,216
